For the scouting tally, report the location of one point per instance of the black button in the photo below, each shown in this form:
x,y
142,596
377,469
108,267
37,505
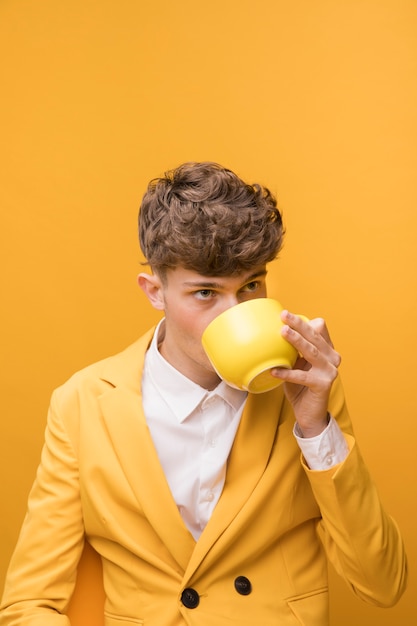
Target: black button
x,y
190,598
243,585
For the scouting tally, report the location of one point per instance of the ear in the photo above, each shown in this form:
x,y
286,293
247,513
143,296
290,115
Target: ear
x,y
152,287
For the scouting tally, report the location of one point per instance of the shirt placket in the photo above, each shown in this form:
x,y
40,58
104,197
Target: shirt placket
x,y
215,419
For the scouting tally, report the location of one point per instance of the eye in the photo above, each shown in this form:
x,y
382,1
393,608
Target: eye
x,y
252,286
204,294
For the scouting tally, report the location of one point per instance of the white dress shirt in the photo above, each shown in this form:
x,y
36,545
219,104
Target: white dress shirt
x,y
193,432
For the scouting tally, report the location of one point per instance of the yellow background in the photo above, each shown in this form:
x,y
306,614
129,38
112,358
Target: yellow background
x,y
316,99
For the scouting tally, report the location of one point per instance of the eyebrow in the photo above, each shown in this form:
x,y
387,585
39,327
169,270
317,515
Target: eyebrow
x,y
207,284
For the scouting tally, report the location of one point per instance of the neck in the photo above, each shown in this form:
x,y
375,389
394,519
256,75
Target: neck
x,y
200,374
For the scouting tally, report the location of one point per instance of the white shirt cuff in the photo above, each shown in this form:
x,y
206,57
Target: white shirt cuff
x,y
324,451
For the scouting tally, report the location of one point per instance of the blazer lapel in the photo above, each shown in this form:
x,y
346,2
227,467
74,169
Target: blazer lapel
x,y
247,462
138,458
122,412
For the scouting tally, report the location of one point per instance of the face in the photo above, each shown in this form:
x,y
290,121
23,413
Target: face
x,y
190,302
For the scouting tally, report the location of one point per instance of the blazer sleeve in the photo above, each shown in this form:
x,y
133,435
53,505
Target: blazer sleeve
x,y
42,571
361,540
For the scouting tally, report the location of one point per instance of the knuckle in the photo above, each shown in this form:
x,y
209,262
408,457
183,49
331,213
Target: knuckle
x,y
303,377
314,351
318,325
334,373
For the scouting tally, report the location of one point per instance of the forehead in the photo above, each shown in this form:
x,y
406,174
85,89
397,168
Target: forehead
x,y
191,279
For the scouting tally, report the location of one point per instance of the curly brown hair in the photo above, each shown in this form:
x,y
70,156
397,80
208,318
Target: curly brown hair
x,y
203,217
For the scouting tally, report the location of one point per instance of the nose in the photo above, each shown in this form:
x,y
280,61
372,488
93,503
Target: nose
x,y
228,301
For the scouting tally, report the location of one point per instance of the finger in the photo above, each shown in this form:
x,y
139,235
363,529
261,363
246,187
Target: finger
x,y
318,379
311,339
301,324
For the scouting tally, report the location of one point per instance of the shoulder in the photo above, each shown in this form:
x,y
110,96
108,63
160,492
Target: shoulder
x,y
122,369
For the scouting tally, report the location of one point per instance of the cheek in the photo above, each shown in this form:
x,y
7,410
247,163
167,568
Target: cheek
x,y
189,324
193,327
197,326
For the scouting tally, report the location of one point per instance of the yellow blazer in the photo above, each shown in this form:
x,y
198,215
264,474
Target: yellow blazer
x,y
262,559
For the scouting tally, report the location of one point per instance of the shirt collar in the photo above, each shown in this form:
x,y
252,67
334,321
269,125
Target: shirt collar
x,y
172,385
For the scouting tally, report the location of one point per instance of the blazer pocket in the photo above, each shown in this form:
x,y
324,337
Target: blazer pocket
x,y
118,620
311,609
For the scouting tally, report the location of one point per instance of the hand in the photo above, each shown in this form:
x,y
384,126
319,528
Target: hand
x,y
308,384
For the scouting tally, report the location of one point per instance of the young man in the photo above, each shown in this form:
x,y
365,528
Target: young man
x,y
208,506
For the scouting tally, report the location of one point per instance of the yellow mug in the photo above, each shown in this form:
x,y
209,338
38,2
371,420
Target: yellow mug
x,y
244,343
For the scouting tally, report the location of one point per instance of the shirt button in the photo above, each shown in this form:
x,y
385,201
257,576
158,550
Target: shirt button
x,y
190,598
210,497
329,460
243,585
212,443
